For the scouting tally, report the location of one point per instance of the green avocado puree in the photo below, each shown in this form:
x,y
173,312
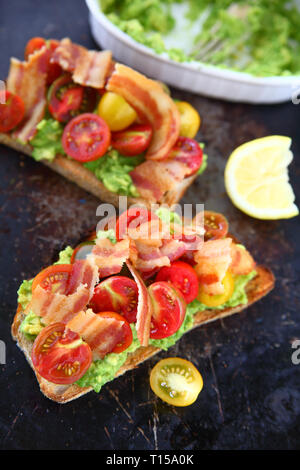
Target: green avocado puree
x,y
261,38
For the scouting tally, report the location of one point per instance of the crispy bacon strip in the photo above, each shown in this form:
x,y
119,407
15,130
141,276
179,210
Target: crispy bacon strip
x,y
149,258
28,80
83,272
152,104
110,257
153,179
88,68
160,248
55,307
58,307
101,334
173,249
144,309
242,262
213,259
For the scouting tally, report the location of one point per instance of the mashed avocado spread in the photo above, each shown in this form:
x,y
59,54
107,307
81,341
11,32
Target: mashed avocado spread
x,y
261,37
104,370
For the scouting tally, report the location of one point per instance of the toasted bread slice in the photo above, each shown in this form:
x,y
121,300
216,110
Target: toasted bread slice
x,y
257,288
84,178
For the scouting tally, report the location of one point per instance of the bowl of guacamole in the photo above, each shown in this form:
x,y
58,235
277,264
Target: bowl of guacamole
x,y
238,51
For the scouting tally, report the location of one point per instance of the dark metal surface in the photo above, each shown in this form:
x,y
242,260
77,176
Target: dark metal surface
x,y
251,395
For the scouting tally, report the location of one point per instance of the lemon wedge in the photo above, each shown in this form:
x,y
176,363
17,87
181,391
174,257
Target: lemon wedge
x,y
257,181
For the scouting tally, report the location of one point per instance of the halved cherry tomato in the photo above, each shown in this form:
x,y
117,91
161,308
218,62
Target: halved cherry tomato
x,y
169,310
132,141
60,355
11,112
183,277
118,294
82,250
217,300
34,44
187,151
126,340
67,99
86,137
189,119
215,225
54,278
132,219
115,111
176,381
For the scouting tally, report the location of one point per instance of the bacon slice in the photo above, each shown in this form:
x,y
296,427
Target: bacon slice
x,y
148,239
153,179
144,308
28,80
152,105
55,307
157,247
88,68
58,307
213,260
149,258
173,249
101,334
83,272
242,262
110,257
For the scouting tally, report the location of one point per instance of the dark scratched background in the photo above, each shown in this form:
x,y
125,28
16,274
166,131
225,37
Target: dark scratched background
x,y
251,395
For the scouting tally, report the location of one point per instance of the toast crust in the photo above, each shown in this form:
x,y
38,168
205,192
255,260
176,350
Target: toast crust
x,y
84,178
257,288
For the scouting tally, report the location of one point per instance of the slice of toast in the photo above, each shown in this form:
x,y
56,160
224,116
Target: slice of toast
x,y
257,288
77,173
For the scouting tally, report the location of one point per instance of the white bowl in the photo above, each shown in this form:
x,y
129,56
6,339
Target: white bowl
x,y
199,78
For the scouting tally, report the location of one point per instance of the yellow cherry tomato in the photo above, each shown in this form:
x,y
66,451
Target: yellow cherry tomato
x,y
189,119
176,381
217,300
115,111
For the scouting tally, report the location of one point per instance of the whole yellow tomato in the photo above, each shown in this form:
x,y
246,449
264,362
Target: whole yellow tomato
x,y
115,111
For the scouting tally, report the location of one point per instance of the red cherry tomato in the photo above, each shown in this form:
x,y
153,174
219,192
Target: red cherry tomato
x,y
34,44
60,355
133,140
132,219
183,277
215,225
118,294
169,310
11,112
126,338
86,137
67,99
54,278
187,151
